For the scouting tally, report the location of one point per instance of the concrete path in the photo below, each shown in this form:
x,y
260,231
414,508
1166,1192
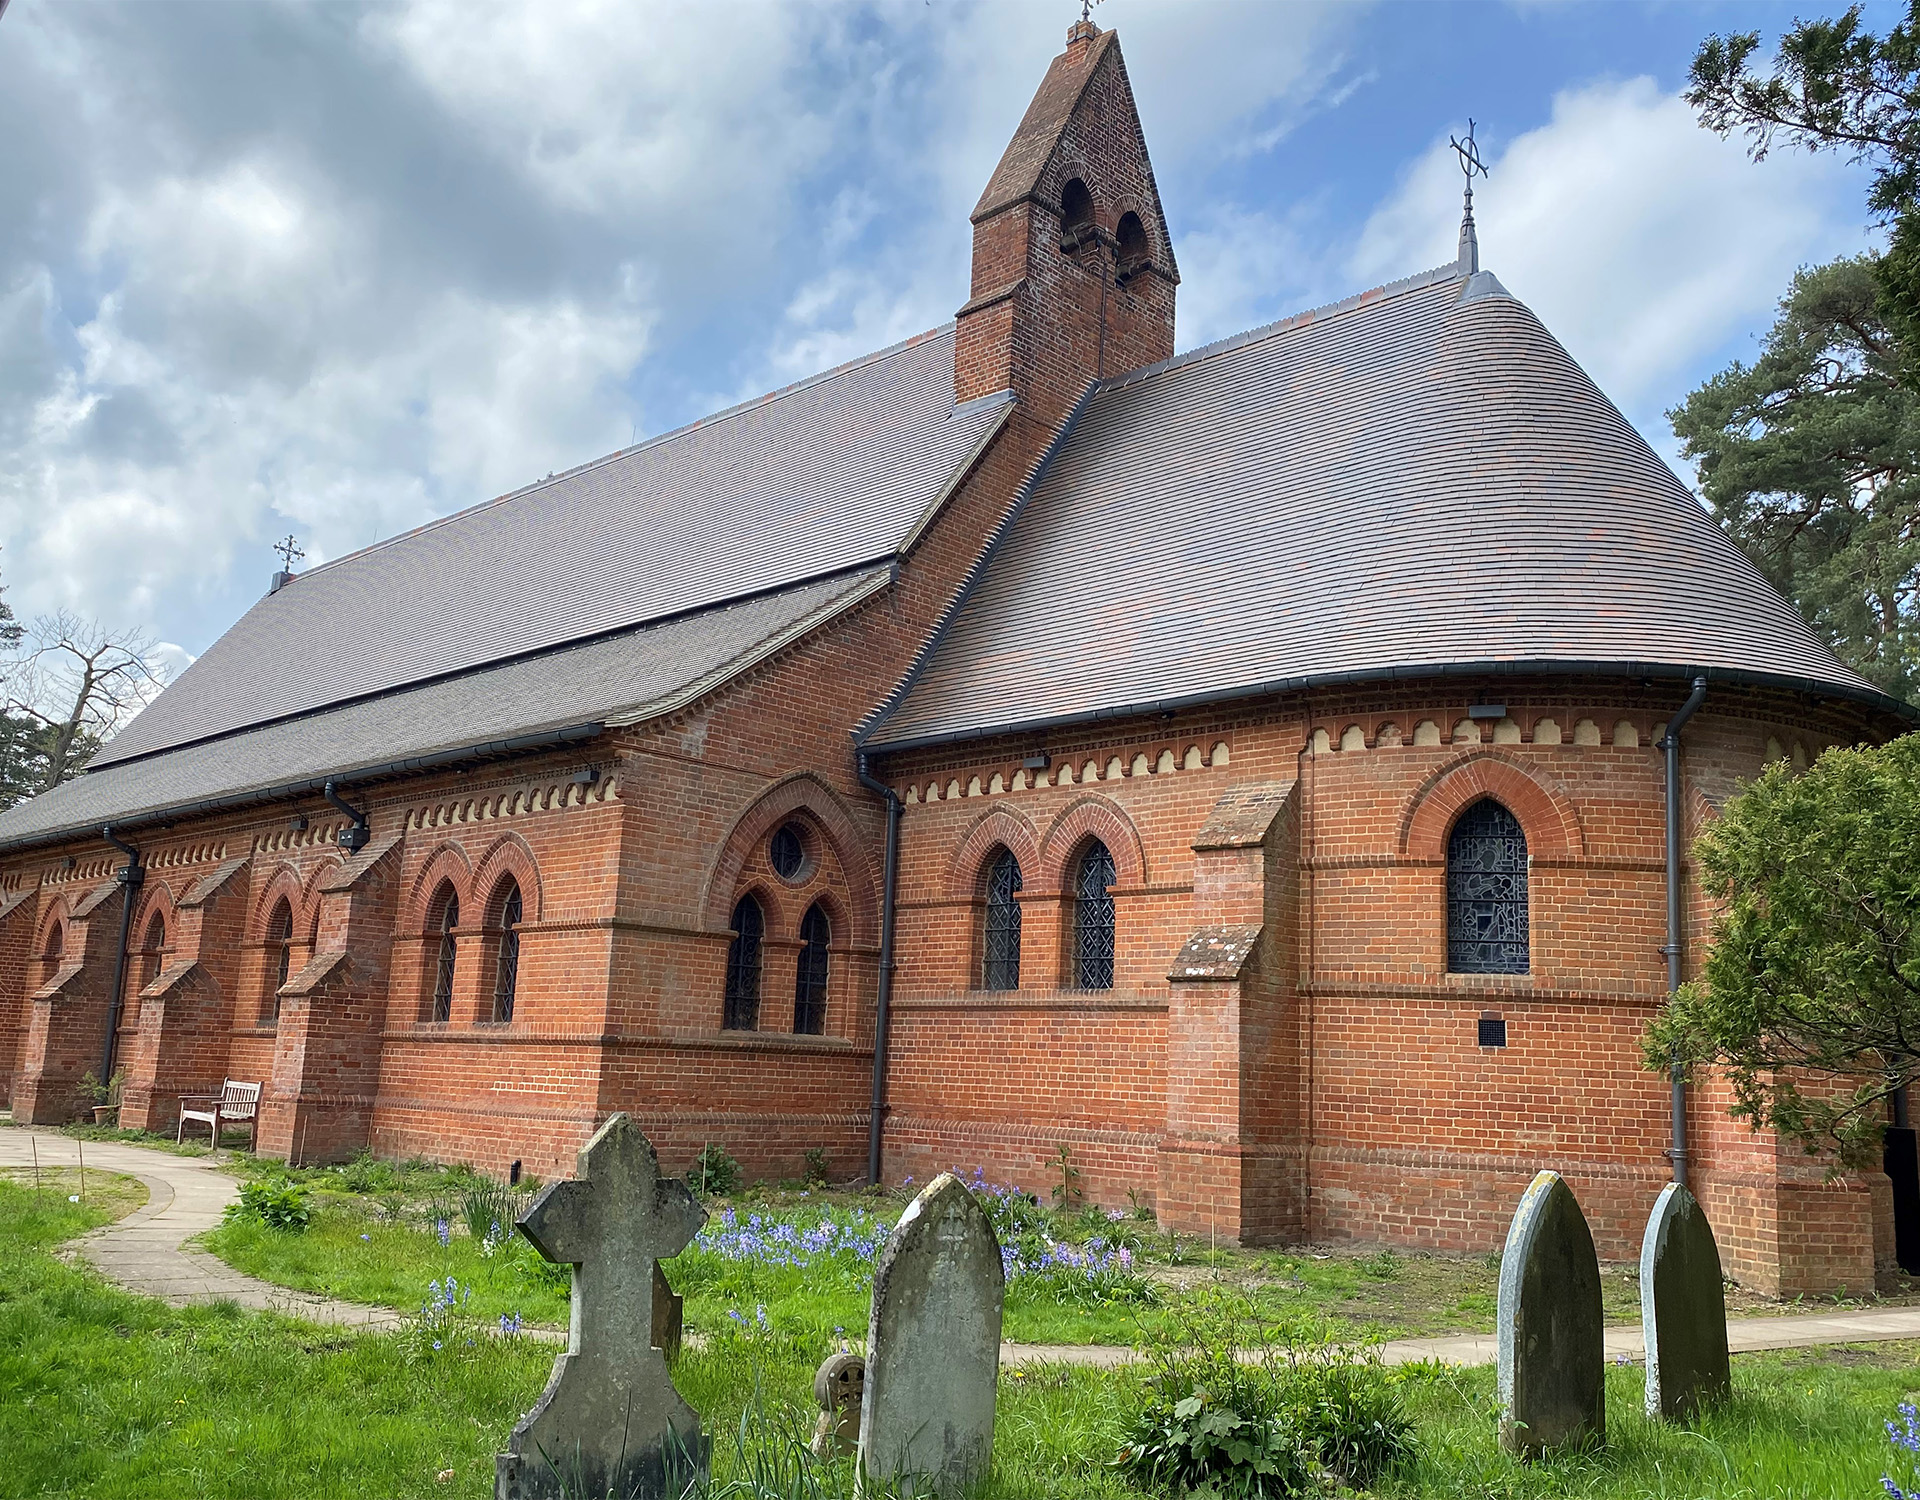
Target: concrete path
x,y
146,1252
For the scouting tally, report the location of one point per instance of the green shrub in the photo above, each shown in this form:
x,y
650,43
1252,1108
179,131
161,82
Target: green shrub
x,y
817,1167
275,1202
713,1171
364,1173
1240,1406
1202,1446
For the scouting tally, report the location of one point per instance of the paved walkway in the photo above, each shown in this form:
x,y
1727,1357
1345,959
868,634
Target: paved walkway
x,y
146,1252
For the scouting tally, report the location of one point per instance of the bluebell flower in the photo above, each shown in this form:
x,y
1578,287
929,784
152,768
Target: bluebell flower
x,y
443,1233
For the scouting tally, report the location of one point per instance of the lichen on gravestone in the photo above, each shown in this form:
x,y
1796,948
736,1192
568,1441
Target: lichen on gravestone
x,y
610,1420
1552,1374
1683,1309
933,1348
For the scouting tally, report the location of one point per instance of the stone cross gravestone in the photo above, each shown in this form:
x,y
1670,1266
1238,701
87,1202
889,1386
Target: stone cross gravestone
x,y
609,1420
1683,1309
933,1347
1552,1357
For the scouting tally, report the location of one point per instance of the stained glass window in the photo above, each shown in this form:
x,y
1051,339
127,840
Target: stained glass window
x,y
506,980
1487,892
743,967
443,979
1093,919
810,975
1002,966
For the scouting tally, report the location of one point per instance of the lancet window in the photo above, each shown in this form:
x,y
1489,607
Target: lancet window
x,y
1487,892
1001,946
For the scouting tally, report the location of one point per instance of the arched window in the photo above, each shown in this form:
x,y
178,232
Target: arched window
x,y
1001,970
1093,919
1076,215
506,977
279,953
55,950
1487,892
1130,245
743,967
810,976
152,948
449,904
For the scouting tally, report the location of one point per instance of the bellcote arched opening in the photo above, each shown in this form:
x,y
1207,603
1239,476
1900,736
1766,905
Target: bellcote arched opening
x,y
1132,254
1076,215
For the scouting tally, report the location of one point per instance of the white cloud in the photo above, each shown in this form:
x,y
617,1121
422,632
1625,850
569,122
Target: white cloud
x,y
1647,244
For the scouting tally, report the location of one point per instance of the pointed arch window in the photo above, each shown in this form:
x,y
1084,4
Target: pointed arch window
x,y
444,969
506,975
742,1011
1487,924
1093,919
152,948
810,976
1001,969
279,952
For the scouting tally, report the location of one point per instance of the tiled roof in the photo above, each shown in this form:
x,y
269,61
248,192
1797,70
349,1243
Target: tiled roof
x,y
629,675
1417,481
1045,121
833,473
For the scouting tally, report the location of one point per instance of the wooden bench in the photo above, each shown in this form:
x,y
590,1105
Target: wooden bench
x,y
235,1104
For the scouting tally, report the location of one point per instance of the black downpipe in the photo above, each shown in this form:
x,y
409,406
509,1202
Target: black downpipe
x,y
1670,743
355,836
883,1011
132,875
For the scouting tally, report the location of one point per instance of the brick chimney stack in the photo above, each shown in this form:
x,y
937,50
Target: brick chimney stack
x,y
1073,272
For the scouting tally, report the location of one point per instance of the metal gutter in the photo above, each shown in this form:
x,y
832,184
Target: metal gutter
x,y
883,1008
1734,676
132,875
307,786
1670,744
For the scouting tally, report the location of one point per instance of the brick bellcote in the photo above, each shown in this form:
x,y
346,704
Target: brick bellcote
x,y
1073,271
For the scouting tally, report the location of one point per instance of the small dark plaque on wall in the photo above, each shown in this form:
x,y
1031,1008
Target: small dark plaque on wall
x,y
1493,1032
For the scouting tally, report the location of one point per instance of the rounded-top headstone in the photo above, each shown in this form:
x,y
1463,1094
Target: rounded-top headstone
x,y
933,1347
1552,1353
1683,1309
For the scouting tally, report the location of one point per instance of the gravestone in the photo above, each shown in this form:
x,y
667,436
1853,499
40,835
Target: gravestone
x,y
839,1385
1683,1309
933,1347
609,1420
1552,1356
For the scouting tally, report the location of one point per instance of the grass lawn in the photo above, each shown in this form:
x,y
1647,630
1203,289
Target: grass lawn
x,y
106,1394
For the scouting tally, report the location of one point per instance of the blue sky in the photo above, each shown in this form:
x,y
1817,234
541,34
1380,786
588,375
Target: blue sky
x,y
337,270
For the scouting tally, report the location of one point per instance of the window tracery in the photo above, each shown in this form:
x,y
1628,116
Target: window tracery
x,y
1487,918
1001,967
1093,919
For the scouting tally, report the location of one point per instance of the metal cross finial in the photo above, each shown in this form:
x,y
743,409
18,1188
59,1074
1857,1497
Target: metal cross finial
x,y
1086,11
1469,153
289,550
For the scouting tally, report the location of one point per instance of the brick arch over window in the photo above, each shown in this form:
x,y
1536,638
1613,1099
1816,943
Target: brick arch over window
x,y
1001,826
1084,819
811,799
510,855
284,882
56,931
1544,809
447,864
156,900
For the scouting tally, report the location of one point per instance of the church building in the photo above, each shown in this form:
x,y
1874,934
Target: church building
x,y
1240,771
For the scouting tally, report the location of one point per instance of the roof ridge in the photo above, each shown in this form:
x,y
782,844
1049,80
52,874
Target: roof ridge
x,y
1417,282
739,408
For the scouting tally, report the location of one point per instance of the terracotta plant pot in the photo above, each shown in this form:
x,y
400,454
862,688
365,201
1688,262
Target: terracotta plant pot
x,y
106,1114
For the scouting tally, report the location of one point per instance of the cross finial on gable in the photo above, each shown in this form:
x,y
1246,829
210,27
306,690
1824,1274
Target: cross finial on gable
x,y
290,551
1469,153
610,1417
